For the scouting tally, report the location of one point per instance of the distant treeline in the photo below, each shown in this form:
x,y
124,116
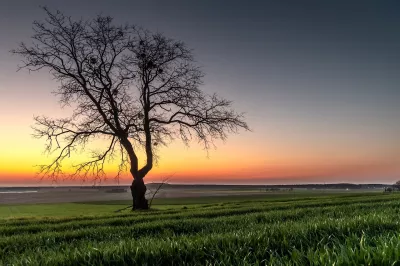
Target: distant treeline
x,y
298,186
316,186
202,186
332,186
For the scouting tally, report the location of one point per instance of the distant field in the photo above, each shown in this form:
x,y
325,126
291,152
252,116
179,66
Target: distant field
x,y
61,194
110,206
280,229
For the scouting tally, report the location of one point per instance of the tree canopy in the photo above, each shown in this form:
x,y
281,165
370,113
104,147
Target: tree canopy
x,y
134,88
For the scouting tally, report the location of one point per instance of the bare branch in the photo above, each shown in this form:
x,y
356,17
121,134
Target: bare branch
x,y
130,88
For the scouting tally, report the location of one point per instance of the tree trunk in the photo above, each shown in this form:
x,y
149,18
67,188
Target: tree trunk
x,y
138,191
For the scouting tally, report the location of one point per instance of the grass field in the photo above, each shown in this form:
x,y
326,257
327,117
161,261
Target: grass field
x,y
285,229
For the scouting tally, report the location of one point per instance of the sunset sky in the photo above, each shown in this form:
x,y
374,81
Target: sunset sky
x,y
318,81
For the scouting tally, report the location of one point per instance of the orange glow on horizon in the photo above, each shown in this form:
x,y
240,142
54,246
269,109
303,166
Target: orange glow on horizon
x,y
227,174
247,157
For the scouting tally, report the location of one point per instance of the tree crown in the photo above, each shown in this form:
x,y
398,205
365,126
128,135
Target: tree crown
x,y
135,88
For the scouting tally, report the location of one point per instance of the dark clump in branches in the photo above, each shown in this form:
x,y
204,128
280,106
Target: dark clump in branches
x,y
136,89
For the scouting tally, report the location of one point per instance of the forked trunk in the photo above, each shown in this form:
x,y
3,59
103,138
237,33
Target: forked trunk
x,y
138,191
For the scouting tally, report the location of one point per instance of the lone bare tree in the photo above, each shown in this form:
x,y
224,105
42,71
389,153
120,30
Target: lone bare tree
x,y
134,88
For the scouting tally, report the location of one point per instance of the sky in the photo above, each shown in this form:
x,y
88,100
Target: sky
x,y
318,81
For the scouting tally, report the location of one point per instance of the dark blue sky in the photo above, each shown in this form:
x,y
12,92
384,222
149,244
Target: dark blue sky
x,y
319,78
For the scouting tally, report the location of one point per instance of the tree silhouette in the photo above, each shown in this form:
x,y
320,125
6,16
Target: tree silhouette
x,y
397,185
134,88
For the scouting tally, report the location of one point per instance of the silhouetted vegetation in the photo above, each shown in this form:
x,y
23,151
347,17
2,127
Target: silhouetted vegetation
x,y
130,87
396,186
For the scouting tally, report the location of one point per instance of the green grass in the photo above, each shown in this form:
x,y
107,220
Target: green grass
x,y
106,207
285,229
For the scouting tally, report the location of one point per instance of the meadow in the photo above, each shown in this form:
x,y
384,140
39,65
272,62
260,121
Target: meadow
x,y
285,229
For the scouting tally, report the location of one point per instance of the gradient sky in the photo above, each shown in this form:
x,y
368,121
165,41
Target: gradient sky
x,y
319,81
